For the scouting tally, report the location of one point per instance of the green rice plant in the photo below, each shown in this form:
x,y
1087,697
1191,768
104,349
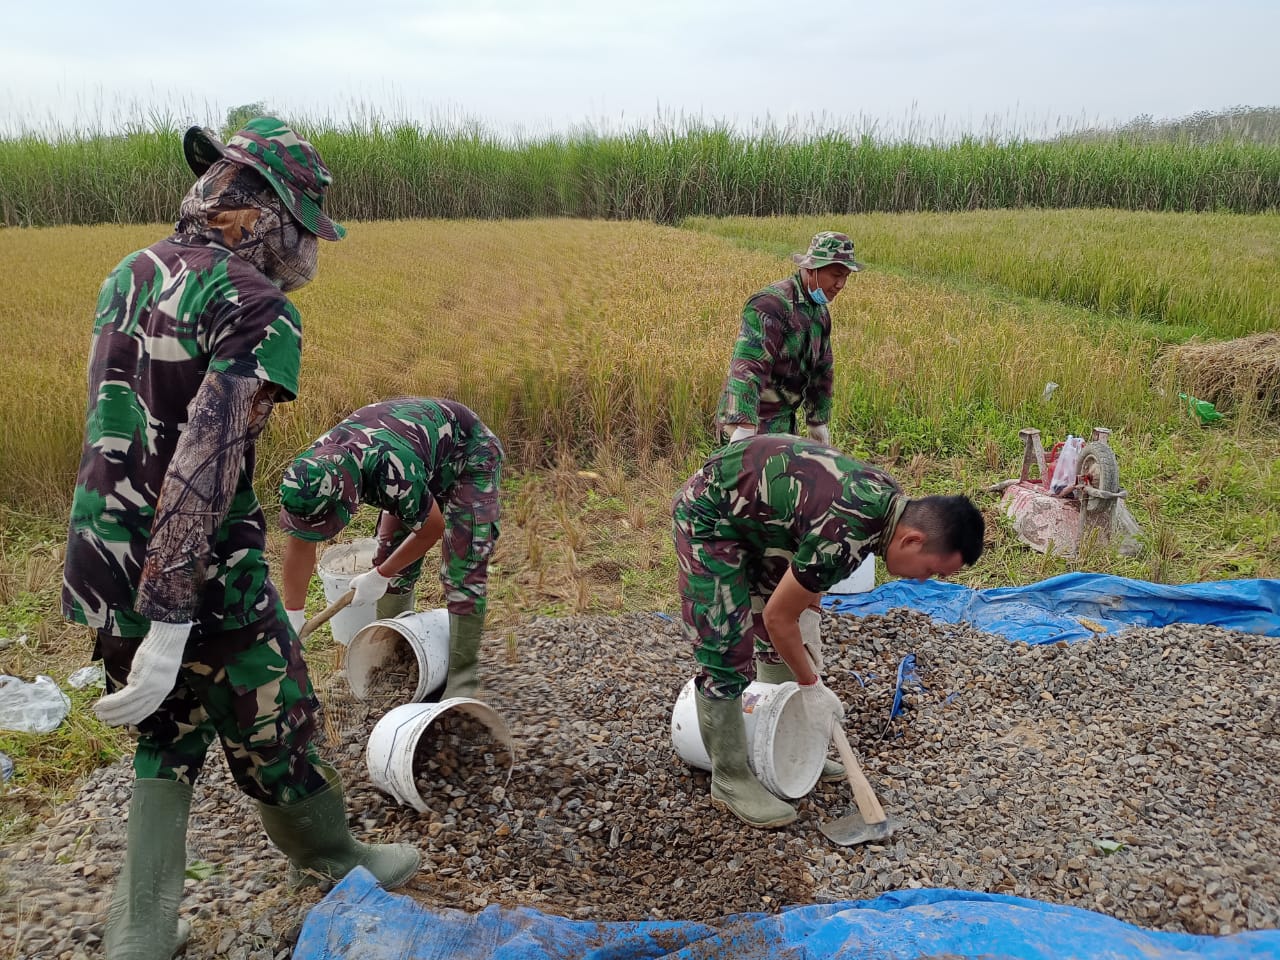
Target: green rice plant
x,y
1211,275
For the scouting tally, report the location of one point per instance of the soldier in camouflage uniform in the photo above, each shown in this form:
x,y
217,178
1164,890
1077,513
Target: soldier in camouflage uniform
x,y
765,527
782,357
194,342
433,469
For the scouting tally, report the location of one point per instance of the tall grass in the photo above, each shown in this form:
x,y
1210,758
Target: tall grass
x,y
1209,275
403,170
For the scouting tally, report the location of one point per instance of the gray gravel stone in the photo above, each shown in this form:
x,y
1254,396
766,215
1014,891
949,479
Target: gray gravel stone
x,y
1135,775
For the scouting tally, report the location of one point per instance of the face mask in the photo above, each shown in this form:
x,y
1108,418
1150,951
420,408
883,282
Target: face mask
x,y
819,297
293,259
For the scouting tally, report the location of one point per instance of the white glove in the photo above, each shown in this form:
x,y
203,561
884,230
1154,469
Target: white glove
x,y
296,619
821,706
369,587
811,637
151,677
741,432
820,432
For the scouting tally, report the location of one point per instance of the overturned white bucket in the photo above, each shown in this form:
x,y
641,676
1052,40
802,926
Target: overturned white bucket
x,y
338,565
420,639
861,580
783,749
393,744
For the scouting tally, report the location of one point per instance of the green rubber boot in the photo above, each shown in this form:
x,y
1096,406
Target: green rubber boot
x,y
832,772
393,604
464,655
733,785
313,834
142,921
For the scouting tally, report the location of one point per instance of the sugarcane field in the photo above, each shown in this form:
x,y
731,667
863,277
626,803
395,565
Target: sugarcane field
x,y
672,541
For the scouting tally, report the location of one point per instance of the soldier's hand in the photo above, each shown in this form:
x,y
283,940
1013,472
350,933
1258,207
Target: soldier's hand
x,y
821,706
820,432
151,677
369,587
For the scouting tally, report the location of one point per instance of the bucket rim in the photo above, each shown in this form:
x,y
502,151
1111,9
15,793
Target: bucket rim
x,y
413,720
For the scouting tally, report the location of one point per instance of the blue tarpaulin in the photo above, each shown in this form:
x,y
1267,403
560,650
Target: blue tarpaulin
x,y
359,919
1051,610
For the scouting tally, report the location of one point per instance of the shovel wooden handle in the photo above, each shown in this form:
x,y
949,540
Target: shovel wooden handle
x,y
320,619
863,795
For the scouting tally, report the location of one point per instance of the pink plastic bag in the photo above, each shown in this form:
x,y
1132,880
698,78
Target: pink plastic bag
x,y
1064,471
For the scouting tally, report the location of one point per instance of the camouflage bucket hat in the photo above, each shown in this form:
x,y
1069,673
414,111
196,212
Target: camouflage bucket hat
x,y
290,164
319,493
827,248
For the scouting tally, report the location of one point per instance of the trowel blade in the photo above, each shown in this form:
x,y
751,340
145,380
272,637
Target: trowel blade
x,y
851,829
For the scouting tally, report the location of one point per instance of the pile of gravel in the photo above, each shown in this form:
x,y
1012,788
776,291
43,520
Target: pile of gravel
x,y
1135,775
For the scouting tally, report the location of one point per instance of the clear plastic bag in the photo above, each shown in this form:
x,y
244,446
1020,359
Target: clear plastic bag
x,y
36,707
1064,471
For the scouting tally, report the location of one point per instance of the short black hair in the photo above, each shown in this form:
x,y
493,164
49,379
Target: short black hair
x,y
949,524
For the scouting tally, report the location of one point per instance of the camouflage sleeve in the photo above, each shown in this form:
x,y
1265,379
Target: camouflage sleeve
x,y
199,484
817,400
262,340
759,342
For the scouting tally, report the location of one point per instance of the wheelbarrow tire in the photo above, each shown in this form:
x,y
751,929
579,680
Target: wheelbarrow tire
x,y
1098,463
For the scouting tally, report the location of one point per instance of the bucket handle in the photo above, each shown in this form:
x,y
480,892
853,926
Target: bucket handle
x,y
320,619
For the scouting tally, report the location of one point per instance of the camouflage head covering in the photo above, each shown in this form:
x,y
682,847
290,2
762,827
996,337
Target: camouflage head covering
x,y
320,493
827,248
290,164
233,206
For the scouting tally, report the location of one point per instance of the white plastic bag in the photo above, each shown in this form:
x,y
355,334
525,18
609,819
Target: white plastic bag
x,y
87,676
31,707
1064,471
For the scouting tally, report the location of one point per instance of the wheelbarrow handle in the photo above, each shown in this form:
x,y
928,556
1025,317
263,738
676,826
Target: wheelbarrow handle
x,y
326,615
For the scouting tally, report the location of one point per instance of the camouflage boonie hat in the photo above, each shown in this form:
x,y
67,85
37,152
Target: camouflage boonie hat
x,y
290,164
319,493
827,248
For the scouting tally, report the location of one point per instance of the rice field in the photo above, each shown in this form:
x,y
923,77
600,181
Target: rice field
x,y
664,173
1210,275
578,341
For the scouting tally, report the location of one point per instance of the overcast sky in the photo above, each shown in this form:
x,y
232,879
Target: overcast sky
x,y
539,65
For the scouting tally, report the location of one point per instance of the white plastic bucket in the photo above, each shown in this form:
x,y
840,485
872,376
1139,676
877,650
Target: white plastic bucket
x,y
861,580
338,565
394,741
426,633
783,749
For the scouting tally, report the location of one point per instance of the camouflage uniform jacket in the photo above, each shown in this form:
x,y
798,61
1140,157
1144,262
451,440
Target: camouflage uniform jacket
x,y
782,358
165,316
783,494
408,453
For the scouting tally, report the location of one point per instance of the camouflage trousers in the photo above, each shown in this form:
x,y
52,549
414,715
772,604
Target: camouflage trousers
x,y
724,585
470,510
248,687
781,419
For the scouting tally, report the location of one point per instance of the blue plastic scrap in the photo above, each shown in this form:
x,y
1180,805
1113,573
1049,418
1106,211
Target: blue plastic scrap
x,y
359,919
908,682
1078,606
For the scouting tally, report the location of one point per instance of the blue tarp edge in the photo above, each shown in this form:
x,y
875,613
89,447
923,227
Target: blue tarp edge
x,y
359,919
1051,611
